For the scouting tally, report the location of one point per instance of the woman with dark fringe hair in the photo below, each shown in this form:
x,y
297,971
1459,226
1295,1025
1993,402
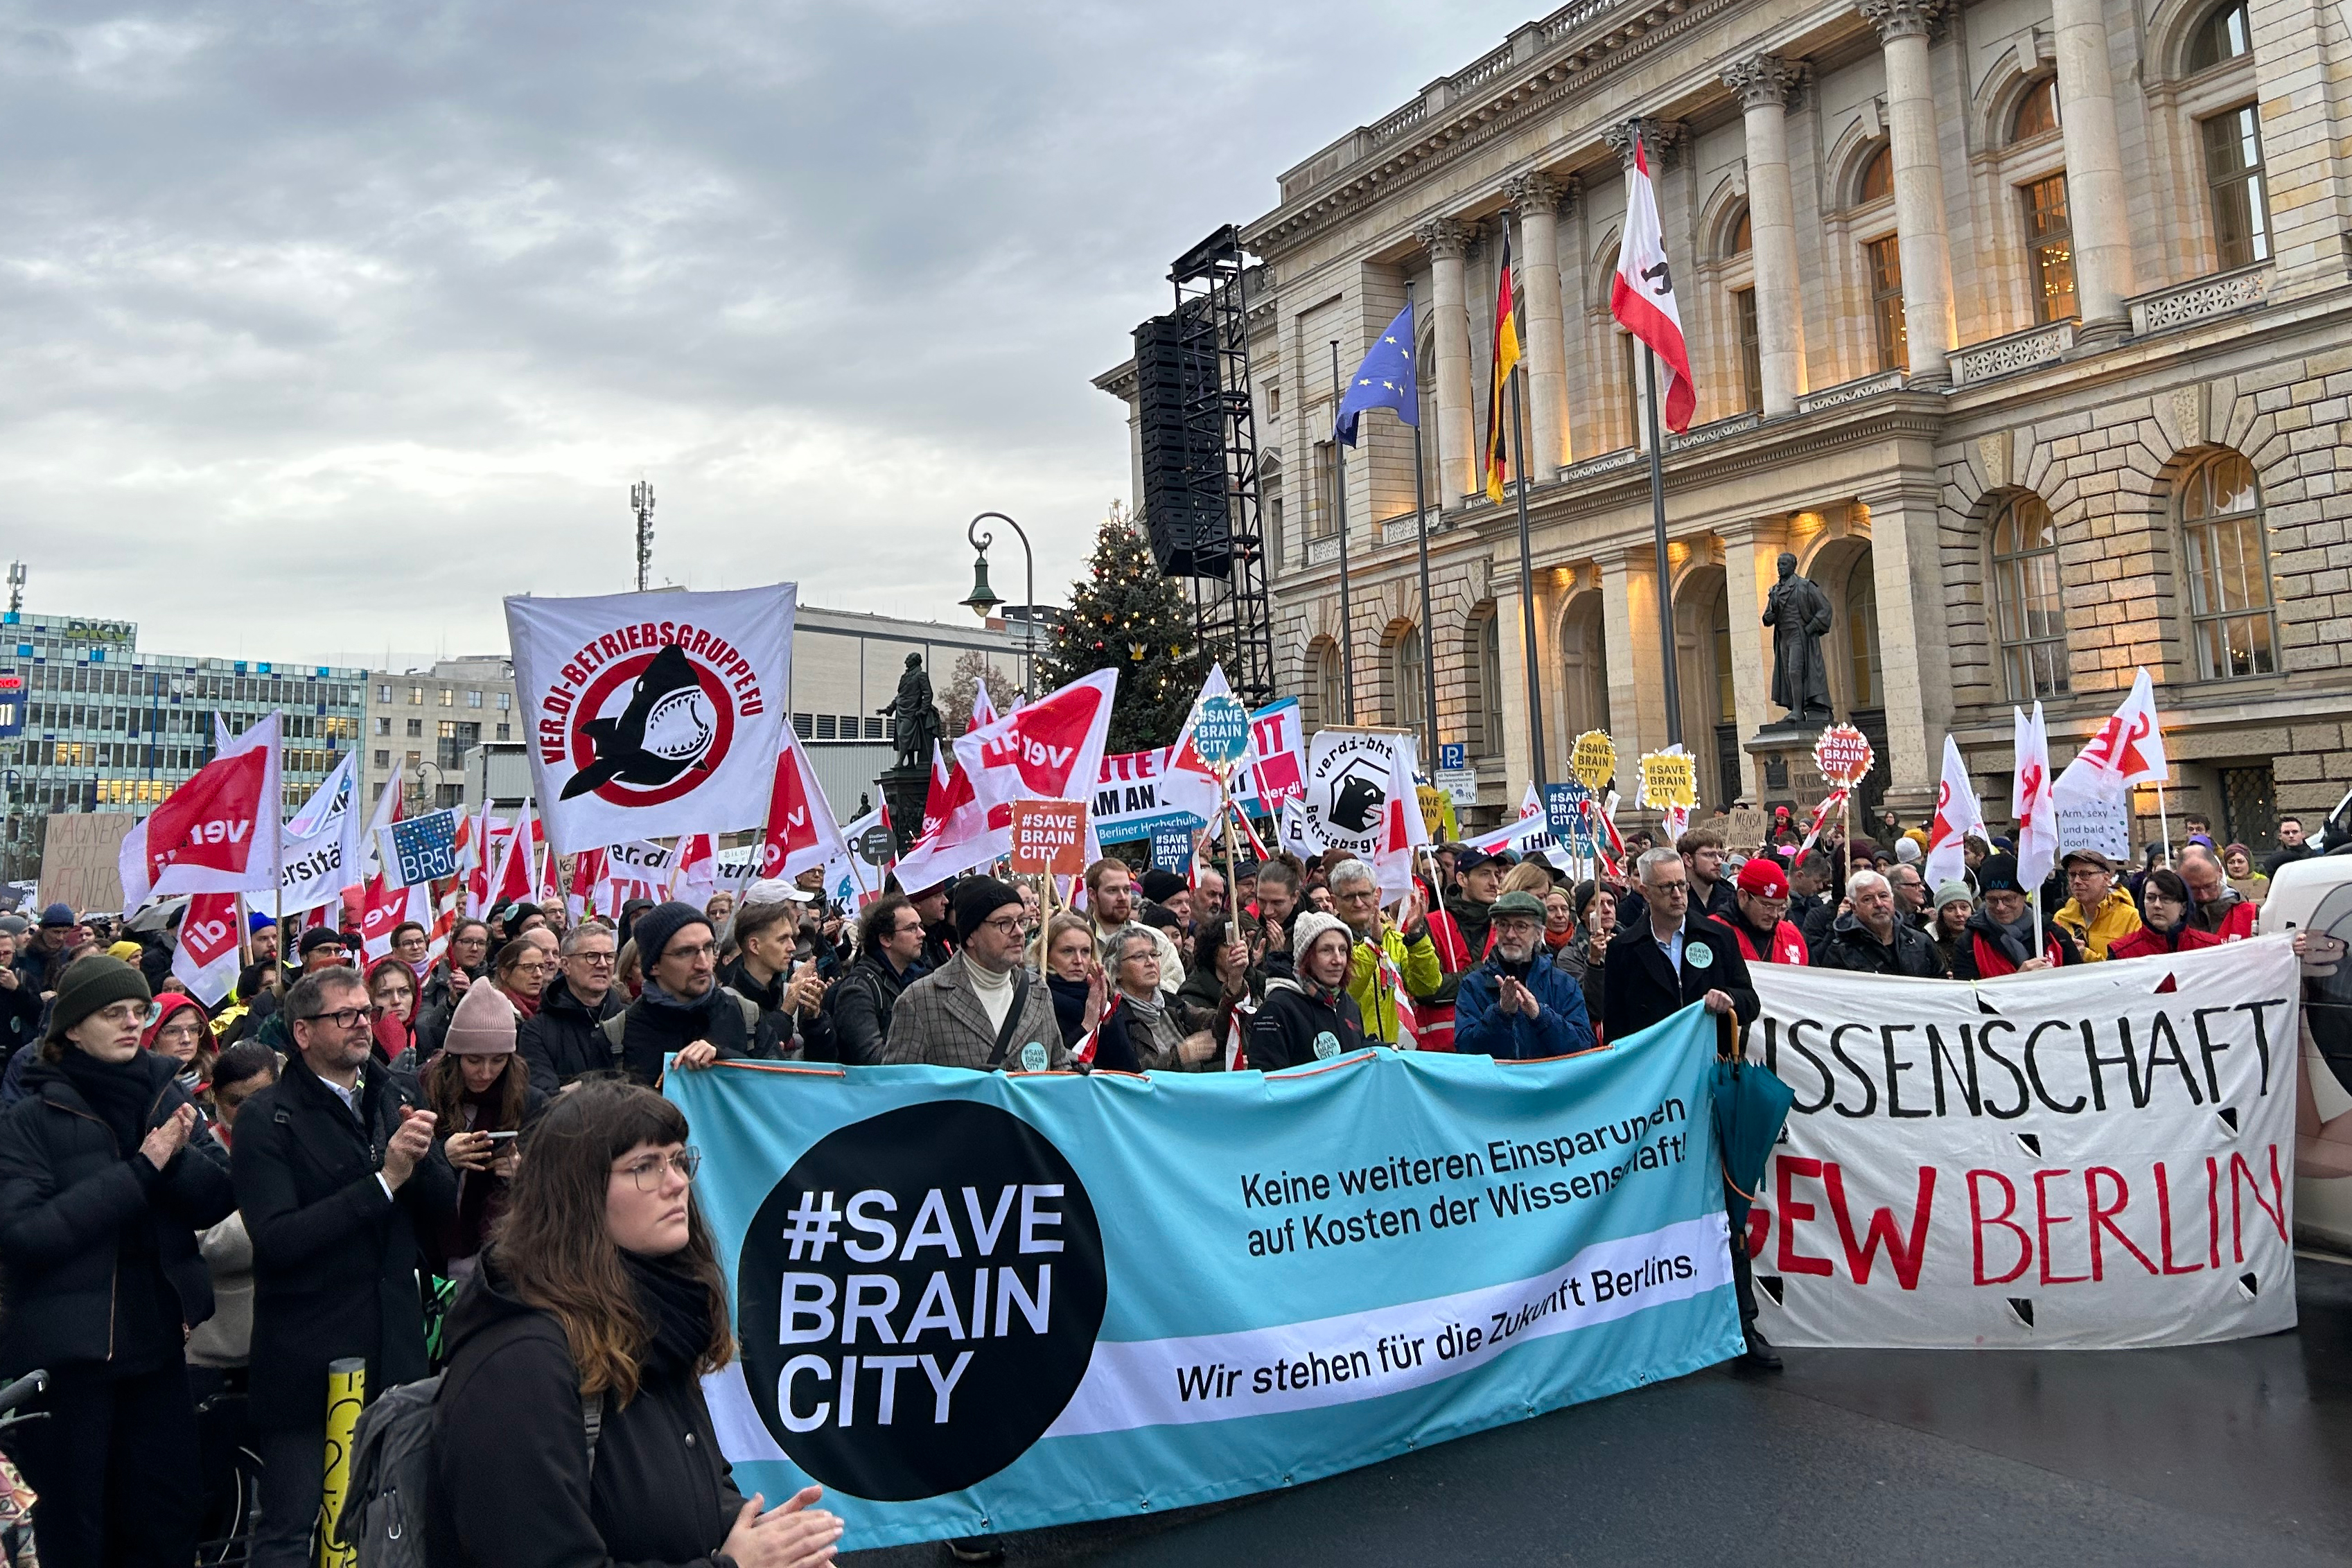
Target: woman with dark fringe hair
x,y
598,1307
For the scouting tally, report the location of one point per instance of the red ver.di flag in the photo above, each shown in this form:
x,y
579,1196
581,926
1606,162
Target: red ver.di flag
x,y
1050,750
207,836
653,714
204,954
801,829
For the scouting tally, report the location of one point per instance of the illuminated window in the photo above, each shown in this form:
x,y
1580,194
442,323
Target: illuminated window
x,y
1886,303
2049,248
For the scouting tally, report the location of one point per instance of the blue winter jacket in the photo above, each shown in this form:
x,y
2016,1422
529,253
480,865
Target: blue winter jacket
x,y
1560,1026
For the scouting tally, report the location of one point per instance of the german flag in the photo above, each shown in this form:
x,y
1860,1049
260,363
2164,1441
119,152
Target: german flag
x,y
1505,359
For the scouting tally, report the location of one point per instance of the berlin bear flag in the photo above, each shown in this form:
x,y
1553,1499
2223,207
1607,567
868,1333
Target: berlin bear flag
x,y
216,833
652,714
1642,295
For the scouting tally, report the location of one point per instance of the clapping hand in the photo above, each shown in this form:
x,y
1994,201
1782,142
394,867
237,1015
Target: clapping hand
x,y
167,1139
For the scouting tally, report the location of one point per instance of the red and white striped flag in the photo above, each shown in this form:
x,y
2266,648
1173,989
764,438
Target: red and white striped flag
x,y
1642,297
1236,1031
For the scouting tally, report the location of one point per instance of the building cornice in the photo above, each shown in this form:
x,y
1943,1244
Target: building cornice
x,y
1578,49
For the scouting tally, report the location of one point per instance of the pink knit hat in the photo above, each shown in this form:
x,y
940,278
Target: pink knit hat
x,y
483,1025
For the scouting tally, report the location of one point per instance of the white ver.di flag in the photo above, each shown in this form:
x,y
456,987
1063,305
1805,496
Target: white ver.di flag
x,y
648,714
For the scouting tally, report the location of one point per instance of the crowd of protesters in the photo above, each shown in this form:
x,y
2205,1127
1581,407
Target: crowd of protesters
x,y
453,1156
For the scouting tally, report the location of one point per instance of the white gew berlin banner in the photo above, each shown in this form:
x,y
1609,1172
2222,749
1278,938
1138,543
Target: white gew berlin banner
x,y
653,714
2089,1157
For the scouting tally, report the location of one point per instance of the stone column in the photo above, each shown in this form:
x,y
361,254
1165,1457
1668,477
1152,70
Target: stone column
x,y
1629,627
1537,198
1764,84
1919,213
2095,208
1449,318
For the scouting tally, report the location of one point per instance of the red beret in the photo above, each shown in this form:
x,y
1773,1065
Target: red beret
x,y
1761,878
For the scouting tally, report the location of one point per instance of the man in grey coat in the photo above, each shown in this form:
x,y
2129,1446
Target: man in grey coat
x,y
981,1010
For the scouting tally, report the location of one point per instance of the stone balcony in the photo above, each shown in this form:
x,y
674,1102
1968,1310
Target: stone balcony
x,y
2200,300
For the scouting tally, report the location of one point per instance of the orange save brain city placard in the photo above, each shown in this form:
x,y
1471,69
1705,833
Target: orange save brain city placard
x,y
1049,836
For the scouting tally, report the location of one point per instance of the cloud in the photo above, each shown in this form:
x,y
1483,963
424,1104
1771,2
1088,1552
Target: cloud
x,y
326,325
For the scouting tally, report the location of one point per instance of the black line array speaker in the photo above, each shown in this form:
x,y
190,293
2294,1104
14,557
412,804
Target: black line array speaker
x,y
1181,407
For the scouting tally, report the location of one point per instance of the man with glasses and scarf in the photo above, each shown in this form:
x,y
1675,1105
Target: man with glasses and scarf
x,y
336,1174
683,1012
560,1043
981,1010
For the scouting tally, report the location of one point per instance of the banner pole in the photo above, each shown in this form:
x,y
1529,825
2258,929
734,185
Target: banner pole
x,y
1845,834
2164,824
1233,866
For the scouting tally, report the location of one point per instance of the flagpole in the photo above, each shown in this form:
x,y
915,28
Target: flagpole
x,y
1340,511
1421,540
1536,746
1658,540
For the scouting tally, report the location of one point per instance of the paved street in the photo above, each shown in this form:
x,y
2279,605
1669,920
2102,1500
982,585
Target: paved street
x,y
2225,1453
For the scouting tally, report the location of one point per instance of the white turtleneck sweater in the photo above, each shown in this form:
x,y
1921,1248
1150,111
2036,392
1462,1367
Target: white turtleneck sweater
x,y
994,991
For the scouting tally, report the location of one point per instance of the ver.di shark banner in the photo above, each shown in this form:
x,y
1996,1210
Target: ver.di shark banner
x,y
2090,1158
972,1301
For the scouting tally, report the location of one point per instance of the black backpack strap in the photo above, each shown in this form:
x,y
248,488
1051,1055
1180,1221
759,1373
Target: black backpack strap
x,y
1013,1016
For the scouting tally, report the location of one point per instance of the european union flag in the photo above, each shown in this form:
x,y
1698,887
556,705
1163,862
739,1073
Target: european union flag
x,y
1384,381
422,849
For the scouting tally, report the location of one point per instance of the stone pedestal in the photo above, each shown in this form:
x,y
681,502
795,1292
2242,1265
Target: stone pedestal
x,y
905,789
1783,762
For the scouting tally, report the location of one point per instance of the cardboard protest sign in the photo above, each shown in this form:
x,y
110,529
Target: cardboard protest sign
x,y
1049,836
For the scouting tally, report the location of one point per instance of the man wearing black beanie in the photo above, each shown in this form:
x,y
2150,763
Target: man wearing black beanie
x,y
683,1012
981,1008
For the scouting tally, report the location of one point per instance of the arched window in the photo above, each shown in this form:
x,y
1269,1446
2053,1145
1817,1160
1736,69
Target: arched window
x,y
2223,35
2037,111
2028,612
1739,237
1862,635
1878,183
1584,659
1327,684
1405,673
1490,687
1725,705
2229,570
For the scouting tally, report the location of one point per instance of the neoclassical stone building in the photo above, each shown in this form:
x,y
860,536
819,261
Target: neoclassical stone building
x,y
2025,324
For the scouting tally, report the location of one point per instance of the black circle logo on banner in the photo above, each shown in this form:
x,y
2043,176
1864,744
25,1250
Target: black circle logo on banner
x,y
918,1299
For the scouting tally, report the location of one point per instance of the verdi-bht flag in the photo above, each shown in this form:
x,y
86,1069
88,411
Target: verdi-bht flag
x,y
652,714
2089,1157
970,1302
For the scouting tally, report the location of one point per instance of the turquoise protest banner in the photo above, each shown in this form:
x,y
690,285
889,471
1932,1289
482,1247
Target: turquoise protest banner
x,y
971,1302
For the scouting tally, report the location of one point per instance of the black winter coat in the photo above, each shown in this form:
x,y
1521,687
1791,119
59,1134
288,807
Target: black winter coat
x,y
560,1043
511,1483
1912,951
20,1017
862,1004
783,1035
68,1189
335,1261
1643,990
1288,1023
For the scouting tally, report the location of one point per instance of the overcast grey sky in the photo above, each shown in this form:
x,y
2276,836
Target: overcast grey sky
x,y
323,326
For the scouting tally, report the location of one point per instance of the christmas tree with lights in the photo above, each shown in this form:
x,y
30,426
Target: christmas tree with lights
x,y
1125,615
